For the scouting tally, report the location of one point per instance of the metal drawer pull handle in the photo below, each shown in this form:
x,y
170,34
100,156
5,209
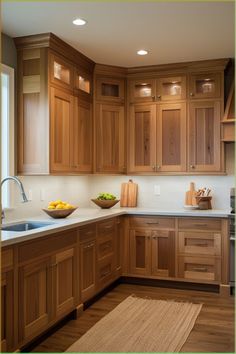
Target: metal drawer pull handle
x,y
152,223
201,244
200,269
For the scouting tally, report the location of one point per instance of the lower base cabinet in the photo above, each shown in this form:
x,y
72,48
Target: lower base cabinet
x,y
87,269
7,306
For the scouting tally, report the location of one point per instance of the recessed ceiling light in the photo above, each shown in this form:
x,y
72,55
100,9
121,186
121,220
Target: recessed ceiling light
x,y
142,52
79,22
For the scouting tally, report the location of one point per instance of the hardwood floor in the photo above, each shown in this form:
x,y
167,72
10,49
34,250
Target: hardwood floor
x,y
213,330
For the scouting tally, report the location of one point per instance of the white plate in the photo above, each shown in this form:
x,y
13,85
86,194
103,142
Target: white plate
x,y
191,207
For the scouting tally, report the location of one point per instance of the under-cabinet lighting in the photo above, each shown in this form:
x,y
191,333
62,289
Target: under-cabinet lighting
x,y
79,22
142,52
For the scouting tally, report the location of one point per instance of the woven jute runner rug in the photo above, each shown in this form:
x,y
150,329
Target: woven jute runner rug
x,y
141,325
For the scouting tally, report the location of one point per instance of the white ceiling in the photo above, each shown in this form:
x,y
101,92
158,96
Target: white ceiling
x,y
170,31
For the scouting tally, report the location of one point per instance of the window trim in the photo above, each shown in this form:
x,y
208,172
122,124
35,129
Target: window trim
x,y
5,69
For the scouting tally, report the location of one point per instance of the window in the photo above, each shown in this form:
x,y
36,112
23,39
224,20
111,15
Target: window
x,y
7,131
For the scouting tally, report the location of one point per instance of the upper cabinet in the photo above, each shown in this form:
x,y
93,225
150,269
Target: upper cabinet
x,y
61,72
109,89
83,84
205,85
157,90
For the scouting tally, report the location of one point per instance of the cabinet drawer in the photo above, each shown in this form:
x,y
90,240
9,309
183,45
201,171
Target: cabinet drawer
x,y
199,268
200,224
105,271
87,232
38,248
152,222
105,227
7,259
105,246
200,243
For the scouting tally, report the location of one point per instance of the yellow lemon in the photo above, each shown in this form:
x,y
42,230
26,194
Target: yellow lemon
x,y
51,207
57,202
51,204
60,206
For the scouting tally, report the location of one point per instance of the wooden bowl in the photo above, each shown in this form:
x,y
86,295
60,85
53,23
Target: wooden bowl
x,y
105,204
59,213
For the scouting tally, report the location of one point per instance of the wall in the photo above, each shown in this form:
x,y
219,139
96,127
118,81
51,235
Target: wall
x,y
79,190
8,52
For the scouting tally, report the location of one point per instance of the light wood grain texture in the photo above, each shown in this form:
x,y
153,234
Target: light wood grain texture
x,y
199,268
171,88
81,132
140,246
171,137
228,123
150,222
204,136
109,89
200,243
61,117
7,310
205,85
213,331
163,253
109,135
142,90
203,224
61,71
129,194
104,271
87,269
142,138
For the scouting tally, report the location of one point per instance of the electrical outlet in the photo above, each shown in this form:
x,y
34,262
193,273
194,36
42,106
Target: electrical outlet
x,y
157,190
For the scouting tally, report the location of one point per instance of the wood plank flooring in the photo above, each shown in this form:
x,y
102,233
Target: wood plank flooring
x,y
213,330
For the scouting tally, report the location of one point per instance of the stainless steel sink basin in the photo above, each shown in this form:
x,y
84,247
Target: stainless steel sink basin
x,y
25,226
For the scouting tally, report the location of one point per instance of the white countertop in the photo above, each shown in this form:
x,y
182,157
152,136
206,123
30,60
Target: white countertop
x,y
85,216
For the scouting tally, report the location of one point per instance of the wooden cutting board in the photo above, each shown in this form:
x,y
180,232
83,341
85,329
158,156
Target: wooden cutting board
x,y
190,195
129,193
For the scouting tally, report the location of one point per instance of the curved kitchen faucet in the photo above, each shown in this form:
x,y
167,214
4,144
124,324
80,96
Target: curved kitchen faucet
x,y
19,183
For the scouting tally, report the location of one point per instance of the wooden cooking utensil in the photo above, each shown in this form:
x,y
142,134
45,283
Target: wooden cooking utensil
x,y
128,196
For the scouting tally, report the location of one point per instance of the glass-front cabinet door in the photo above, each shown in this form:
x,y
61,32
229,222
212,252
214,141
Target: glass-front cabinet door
x,y
108,89
83,84
142,90
171,88
205,85
61,72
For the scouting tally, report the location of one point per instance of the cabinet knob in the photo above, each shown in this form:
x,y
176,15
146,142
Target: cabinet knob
x,y
158,167
153,98
159,97
192,166
191,94
153,167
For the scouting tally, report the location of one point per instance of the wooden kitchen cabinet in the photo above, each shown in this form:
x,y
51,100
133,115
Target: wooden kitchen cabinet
x,y
157,138
161,89
64,268
35,294
204,143
83,84
82,142
87,262
110,89
109,138
205,85
61,72
7,301
163,253
61,118
140,249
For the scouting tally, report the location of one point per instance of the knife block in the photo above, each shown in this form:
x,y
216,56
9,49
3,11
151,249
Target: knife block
x,y
204,203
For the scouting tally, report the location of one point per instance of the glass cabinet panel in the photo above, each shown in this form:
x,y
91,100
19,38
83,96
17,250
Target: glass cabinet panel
x,y
142,90
171,88
108,89
205,85
61,72
83,84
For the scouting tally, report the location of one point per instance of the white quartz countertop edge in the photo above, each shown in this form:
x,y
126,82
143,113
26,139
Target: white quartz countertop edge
x,y
85,216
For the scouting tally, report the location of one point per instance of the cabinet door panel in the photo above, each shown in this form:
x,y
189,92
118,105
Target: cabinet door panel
x,y
201,243
171,88
110,132
205,85
82,136
140,252
64,270
204,136
61,120
34,298
206,269
142,138
87,269
171,137
61,72
142,90
7,319
163,253
110,90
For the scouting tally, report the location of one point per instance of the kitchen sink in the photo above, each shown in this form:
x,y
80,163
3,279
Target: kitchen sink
x,y
25,226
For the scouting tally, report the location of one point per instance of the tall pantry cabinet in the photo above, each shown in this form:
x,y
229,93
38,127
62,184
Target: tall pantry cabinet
x,y
55,91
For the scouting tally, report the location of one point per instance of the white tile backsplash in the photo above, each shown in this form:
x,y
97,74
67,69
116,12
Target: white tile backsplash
x,y
79,190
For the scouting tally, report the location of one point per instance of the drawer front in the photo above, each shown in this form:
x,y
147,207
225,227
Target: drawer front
x,y
105,271
204,224
38,248
200,243
87,232
106,227
6,259
152,222
205,269
105,246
